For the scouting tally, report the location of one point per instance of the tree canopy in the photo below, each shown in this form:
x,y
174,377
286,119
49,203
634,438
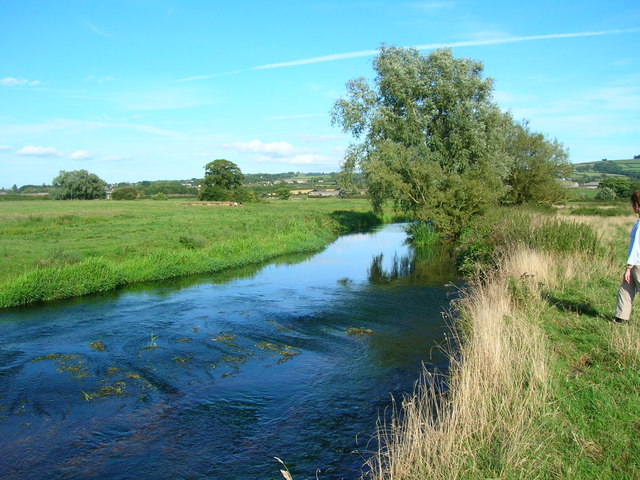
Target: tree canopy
x,y
430,137
432,140
77,185
223,181
536,164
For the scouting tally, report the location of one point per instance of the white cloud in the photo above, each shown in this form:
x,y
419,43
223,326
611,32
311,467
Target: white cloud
x,y
100,79
281,153
256,146
80,155
4,148
19,82
300,159
35,151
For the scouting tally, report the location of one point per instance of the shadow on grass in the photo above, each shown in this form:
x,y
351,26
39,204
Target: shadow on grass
x,y
571,306
349,221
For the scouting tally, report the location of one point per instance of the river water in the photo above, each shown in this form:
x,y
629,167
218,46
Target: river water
x,y
214,377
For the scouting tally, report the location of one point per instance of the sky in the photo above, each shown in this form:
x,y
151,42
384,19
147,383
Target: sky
x,y
137,90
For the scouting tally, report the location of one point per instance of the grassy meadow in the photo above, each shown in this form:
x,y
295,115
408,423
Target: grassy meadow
x,y
542,383
58,249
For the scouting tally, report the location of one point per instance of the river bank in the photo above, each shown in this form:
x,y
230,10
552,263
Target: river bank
x,y
55,250
544,385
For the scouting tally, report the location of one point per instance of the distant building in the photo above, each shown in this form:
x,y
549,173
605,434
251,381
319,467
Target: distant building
x,y
591,185
301,192
324,192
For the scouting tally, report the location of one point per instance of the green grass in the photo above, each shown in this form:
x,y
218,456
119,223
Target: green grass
x,y
51,250
596,390
592,420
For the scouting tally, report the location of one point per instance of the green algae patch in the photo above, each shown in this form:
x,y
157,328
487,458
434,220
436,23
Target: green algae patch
x,y
359,331
286,352
73,364
98,345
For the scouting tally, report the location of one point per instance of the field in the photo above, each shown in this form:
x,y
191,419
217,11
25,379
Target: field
x,y
58,249
589,171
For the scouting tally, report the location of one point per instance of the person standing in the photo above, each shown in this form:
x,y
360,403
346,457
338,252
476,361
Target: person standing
x,y
631,279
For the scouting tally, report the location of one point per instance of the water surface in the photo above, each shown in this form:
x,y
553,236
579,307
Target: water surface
x,y
214,378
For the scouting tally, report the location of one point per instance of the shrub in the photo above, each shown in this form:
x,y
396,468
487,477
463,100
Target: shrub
x,y
160,196
423,234
483,243
125,193
606,194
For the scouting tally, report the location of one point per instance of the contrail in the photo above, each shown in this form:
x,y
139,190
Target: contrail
x,y
432,46
429,46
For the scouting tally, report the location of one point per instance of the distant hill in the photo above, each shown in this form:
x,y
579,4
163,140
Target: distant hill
x,y
593,171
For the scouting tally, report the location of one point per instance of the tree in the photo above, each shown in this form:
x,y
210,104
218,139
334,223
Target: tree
x,y
78,185
432,141
283,193
537,165
222,181
621,186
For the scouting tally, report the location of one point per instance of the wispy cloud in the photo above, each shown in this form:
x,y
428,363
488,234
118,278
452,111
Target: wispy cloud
x,y
116,158
100,79
432,6
205,77
4,148
297,115
94,29
19,82
36,151
164,98
312,138
79,126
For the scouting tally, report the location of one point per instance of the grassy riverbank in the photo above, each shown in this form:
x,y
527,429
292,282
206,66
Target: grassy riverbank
x,y
544,385
52,250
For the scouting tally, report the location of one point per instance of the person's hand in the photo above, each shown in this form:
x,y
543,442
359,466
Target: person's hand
x,y
627,275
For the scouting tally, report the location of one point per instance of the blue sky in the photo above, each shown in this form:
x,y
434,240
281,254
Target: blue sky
x,y
154,89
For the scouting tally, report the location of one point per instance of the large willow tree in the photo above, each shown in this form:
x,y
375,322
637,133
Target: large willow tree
x,y
430,138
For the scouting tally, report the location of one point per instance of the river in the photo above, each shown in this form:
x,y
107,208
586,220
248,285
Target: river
x,y
214,377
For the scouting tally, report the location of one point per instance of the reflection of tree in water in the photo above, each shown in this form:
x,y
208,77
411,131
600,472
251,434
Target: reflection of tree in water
x,y
400,267
421,265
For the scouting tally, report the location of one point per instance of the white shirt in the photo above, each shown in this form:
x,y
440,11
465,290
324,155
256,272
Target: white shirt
x,y
634,246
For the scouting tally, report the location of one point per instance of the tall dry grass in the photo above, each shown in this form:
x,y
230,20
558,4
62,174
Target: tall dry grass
x,y
490,421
